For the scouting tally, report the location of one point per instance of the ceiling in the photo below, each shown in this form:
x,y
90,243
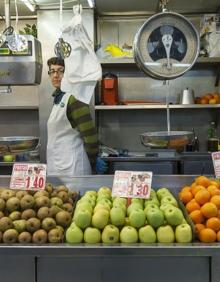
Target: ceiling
x,y
119,6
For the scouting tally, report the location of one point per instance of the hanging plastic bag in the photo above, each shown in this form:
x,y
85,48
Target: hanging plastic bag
x,y
82,68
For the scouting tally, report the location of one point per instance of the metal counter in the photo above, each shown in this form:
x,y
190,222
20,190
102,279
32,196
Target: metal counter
x,y
195,262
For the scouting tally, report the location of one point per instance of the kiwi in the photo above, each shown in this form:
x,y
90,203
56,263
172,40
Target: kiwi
x,y
24,237
39,237
10,236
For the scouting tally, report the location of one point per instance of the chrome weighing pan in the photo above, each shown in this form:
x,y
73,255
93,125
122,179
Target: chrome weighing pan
x,y
167,139
17,144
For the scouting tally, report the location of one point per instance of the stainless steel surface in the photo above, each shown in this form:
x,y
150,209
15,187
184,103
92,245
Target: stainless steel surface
x,y
165,139
187,97
17,144
155,106
23,69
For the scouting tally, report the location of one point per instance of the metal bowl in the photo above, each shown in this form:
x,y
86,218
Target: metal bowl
x,y
17,144
164,139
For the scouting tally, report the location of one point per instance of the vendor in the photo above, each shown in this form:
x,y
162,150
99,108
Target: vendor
x,y
72,146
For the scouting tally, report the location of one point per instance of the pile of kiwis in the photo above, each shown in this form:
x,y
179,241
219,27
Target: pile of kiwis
x,y
36,216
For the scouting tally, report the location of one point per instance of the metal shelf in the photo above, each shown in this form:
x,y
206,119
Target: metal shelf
x,y
154,106
19,107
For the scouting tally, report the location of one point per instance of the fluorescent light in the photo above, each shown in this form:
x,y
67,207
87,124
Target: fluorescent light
x,y
30,6
91,3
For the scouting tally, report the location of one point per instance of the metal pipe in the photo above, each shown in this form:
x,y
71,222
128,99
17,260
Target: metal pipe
x,y
7,13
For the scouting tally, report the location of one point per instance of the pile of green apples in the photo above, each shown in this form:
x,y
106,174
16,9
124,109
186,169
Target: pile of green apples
x,y
99,217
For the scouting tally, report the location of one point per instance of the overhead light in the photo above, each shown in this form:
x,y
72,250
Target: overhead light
x,y
30,6
91,3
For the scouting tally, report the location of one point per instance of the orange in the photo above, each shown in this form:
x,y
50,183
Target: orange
x,y
212,101
186,188
218,236
207,235
216,200
209,210
213,190
204,101
218,214
197,216
202,180
185,196
199,227
192,206
196,188
213,223
208,96
214,182
193,184
202,196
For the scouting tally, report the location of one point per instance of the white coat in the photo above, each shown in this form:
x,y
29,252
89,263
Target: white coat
x,y
66,155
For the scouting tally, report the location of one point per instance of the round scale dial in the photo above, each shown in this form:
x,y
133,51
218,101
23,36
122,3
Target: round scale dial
x,y
166,45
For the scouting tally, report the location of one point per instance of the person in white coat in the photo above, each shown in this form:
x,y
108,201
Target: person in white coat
x,y
72,145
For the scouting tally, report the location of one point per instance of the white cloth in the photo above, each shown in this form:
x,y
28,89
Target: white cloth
x,y
82,68
66,155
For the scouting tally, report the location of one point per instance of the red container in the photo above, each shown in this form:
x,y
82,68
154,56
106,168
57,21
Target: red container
x,y
109,89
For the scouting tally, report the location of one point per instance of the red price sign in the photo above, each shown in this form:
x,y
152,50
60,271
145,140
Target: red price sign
x,y
132,184
216,163
28,176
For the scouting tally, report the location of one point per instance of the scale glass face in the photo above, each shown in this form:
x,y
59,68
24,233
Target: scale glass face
x,y
166,46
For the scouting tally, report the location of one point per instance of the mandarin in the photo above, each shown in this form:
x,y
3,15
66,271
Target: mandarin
x,y
185,196
202,196
213,223
186,188
202,180
218,236
196,189
209,210
197,216
199,227
216,200
213,190
207,235
192,206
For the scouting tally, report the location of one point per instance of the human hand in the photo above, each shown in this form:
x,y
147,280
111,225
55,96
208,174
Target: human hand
x,y
101,166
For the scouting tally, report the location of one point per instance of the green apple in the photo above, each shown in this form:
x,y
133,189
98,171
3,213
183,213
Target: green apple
x,y
101,206
138,200
153,201
8,158
105,189
155,217
117,216
137,218
127,221
92,235
123,207
84,205
150,206
83,218
165,234
119,201
133,206
90,197
110,234
88,200
74,234
173,216
104,201
183,233
170,200
129,235
153,193
147,234
163,192
100,218
165,206
92,192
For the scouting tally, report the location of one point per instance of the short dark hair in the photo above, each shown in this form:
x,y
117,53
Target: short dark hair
x,y
55,61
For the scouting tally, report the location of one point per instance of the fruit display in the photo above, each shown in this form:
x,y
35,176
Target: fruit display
x,y
209,98
35,216
99,217
202,201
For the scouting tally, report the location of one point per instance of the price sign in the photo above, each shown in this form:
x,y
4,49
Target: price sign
x,y
28,176
216,163
132,184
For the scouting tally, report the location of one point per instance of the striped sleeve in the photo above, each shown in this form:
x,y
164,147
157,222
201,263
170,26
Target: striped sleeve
x,y
80,118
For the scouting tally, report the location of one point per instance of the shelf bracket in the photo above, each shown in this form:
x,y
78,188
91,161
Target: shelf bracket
x,y
217,76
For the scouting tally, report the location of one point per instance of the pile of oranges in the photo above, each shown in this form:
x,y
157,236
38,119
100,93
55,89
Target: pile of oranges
x,y
202,202
209,98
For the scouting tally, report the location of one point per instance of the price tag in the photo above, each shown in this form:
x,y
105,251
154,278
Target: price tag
x,y
28,176
216,163
132,184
